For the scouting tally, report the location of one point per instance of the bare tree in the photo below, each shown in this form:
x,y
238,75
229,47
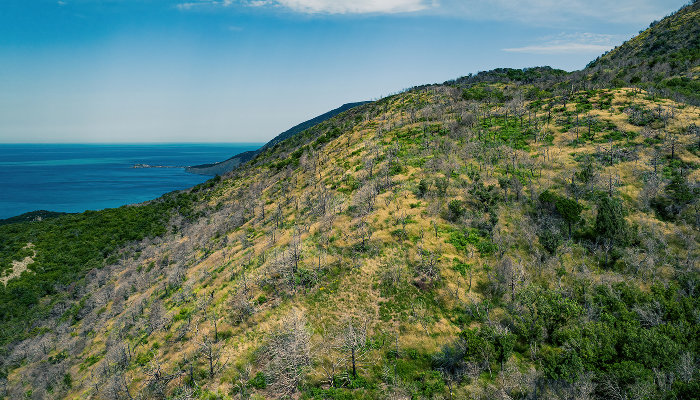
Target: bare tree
x,y
157,379
117,388
365,198
241,385
686,368
343,350
288,354
510,274
241,305
364,234
354,341
426,268
330,359
211,351
295,248
156,317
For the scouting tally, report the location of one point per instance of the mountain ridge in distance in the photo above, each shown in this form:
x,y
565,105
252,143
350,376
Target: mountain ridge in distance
x,y
222,167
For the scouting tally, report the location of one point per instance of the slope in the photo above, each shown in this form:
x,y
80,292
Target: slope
x,y
501,236
428,233
665,57
222,167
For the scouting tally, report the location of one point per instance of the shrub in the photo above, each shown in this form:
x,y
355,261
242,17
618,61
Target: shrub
x,y
610,221
259,381
455,210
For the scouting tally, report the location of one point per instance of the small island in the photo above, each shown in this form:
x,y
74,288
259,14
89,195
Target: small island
x,y
157,166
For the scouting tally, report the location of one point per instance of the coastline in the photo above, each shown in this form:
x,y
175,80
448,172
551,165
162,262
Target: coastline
x,y
74,178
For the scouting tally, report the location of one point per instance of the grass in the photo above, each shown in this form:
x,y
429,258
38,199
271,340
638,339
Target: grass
x,y
355,281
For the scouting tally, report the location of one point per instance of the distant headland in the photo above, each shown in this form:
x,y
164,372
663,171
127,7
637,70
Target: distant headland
x,y
222,167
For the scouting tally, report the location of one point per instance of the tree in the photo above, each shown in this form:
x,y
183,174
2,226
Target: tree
x,y
504,343
610,221
354,339
570,210
478,347
158,380
441,185
455,210
241,305
676,196
509,275
427,268
364,234
211,351
288,353
422,188
156,317
450,362
550,239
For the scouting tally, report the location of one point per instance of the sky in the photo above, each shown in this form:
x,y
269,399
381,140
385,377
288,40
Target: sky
x,y
123,71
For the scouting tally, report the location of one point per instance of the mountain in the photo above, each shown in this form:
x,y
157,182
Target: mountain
x,y
222,167
511,234
664,58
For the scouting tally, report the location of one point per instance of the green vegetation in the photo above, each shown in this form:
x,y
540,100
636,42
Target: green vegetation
x,y
671,45
512,234
65,248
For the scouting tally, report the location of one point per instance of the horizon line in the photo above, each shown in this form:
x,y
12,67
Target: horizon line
x,y
127,143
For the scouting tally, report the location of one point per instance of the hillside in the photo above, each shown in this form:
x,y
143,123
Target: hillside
x,y
31,216
503,235
664,58
222,167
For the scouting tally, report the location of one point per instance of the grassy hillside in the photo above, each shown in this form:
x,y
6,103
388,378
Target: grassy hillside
x,y
665,57
481,247
503,235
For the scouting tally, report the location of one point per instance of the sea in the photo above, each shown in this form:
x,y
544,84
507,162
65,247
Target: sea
x,y
78,177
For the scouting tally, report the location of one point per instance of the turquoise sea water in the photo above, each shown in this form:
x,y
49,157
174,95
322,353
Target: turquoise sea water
x,y
79,177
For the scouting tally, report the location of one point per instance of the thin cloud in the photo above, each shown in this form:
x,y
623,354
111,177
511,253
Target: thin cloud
x,y
566,48
324,6
531,12
570,43
354,6
548,12
203,3
259,3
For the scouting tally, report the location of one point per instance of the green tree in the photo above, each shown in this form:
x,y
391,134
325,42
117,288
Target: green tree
x,y
610,222
441,186
550,240
504,344
68,380
561,364
422,188
478,346
570,210
677,195
455,210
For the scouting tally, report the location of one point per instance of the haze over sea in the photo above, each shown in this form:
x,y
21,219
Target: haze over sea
x,y
79,177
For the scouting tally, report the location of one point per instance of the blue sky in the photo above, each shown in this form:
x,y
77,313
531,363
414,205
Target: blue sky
x,y
246,70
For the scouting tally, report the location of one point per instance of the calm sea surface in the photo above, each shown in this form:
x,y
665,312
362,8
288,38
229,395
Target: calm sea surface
x,y
79,177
